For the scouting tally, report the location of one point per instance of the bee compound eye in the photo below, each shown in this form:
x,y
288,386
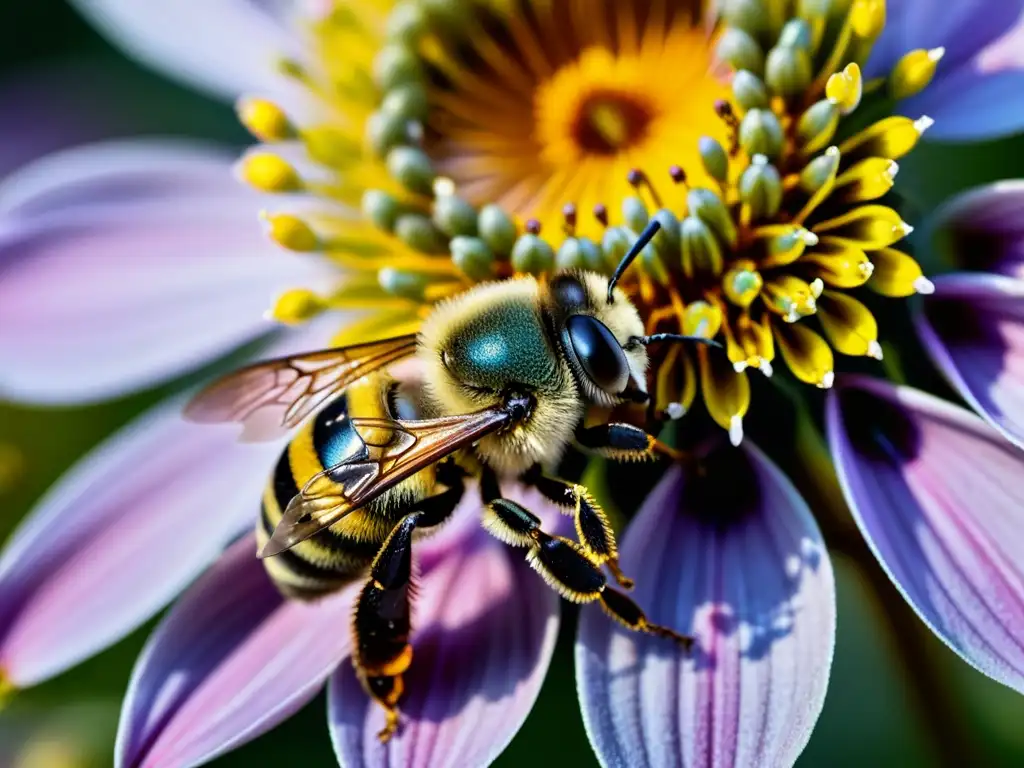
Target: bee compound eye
x,y
598,353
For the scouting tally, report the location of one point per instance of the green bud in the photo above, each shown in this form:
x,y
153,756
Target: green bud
x,y
751,15
761,133
384,132
788,70
709,208
472,256
532,254
634,213
497,229
454,216
820,171
761,188
380,208
817,126
580,253
796,34
406,23
749,91
412,168
408,285
740,50
396,65
712,154
742,285
419,232
651,260
615,242
666,241
408,101
702,255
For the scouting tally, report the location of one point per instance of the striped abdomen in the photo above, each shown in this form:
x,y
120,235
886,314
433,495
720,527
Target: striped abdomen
x,y
333,557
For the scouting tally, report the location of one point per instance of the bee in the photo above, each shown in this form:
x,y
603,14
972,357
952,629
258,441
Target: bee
x,y
508,371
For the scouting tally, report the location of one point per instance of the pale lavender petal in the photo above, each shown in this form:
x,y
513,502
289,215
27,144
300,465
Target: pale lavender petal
x,y
484,629
119,536
127,263
973,328
223,47
231,661
735,558
937,494
982,230
976,90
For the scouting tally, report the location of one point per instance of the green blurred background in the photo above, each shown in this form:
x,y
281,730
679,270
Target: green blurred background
x,y
889,704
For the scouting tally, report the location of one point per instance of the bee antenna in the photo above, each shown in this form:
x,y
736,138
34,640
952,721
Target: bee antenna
x,y
645,237
655,337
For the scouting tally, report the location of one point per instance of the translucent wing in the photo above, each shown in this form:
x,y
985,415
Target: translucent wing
x,y
282,392
391,451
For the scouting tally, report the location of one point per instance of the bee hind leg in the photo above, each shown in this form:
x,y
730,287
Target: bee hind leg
x,y
625,442
567,567
381,625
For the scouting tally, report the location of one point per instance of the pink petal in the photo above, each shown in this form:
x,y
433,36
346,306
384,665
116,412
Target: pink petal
x,y
485,628
982,230
937,493
231,661
973,327
223,47
119,536
735,559
126,263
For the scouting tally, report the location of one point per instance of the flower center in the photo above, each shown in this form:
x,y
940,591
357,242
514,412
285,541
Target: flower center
x,y
608,123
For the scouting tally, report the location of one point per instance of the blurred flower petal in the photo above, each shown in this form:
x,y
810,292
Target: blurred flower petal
x,y
735,558
937,494
973,327
976,90
982,230
231,661
485,628
223,47
119,536
124,264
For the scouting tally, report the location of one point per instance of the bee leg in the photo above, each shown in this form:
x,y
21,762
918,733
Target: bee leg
x,y
381,623
624,442
567,567
593,530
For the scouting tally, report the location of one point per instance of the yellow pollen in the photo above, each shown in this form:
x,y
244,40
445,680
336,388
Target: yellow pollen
x,y
609,122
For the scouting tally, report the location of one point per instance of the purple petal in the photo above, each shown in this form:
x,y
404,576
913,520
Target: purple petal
x,y
973,328
223,47
975,93
735,559
119,536
485,628
937,494
231,661
983,230
123,264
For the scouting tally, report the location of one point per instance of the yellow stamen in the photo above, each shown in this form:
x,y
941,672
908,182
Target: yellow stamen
x,y
868,180
807,355
290,232
897,275
268,173
849,325
840,263
264,119
844,89
892,137
296,306
726,393
914,72
868,227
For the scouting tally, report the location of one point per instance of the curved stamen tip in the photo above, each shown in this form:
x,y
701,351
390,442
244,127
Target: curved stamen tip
x,y
808,237
766,368
817,287
827,380
874,349
740,366
736,430
924,286
935,54
832,151
923,123
905,228
675,411
892,169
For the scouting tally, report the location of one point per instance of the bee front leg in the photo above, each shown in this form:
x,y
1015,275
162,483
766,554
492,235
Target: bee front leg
x,y
568,567
593,530
624,442
381,624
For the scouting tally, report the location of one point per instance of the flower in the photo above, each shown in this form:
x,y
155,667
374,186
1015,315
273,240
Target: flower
x,y
738,557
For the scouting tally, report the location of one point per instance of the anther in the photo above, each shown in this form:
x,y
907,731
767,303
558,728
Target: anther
x,y
924,286
569,214
638,180
601,214
533,226
677,174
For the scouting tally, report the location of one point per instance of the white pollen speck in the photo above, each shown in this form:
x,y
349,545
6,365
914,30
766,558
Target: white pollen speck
x,y
759,159
923,123
874,349
793,566
675,411
892,169
740,367
736,430
832,151
828,380
444,187
936,53
924,286
905,228
867,268
808,237
817,286
766,368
